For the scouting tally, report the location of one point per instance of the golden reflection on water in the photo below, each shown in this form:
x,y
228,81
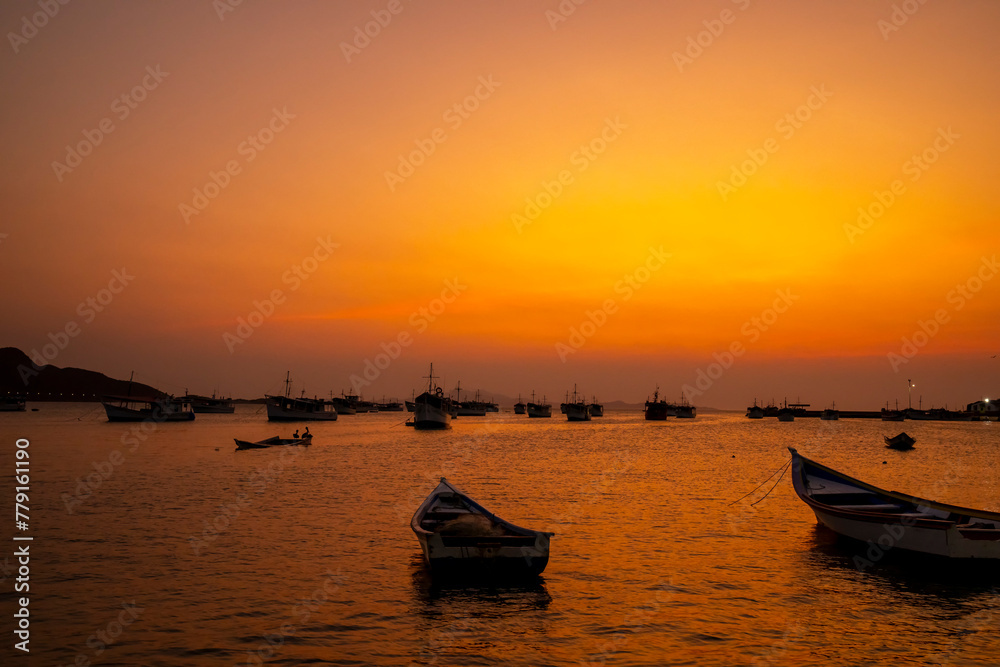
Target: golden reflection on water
x,y
303,556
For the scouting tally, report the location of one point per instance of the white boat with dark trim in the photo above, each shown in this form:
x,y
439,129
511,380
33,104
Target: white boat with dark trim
x,y
213,405
288,409
866,513
460,536
577,409
432,409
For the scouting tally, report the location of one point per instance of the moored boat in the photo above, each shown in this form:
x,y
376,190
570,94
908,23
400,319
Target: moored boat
x,y
288,409
684,409
902,442
830,414
543,409
755,411
211,405
596,409
656,409
519,408
893,520
459,536
13,403
432,409
136,409
577,410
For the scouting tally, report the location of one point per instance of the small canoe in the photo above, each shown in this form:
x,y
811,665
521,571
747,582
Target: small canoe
x,y
902,442
459,537
893,521
274,441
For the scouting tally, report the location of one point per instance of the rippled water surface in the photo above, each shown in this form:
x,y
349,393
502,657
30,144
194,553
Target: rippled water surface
x,y
305,555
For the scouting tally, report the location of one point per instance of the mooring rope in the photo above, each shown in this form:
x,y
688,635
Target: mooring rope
x,y
781,469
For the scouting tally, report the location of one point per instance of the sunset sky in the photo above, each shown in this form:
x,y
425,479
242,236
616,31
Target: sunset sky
x,y
674,169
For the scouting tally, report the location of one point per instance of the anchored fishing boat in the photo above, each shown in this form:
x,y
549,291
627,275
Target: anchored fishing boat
x,y
432,409
288,409
13,403
902,442
596,409
656,409
211,405
458,535
542,409
755,411
519,407
577,410
866,513
135,409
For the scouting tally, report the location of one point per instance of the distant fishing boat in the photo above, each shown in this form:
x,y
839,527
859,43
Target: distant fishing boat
x,y
869,514
343,405
432,409
896,415
288,409
519,407
136,409
656,410
685,410
459,536
577,410
14,403
755,411
596,409
542,409
831,413
902,442
213,405
274,441
389,406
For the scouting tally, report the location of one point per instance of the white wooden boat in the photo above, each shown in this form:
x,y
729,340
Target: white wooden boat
x,y
213,405
542,409
460,536
893,520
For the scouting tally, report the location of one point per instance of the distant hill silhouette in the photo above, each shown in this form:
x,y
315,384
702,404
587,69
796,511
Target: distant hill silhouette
x,y
18,375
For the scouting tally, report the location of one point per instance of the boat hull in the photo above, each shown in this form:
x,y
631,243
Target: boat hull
x,y
893,521
536,410
276,413
119,414
502,557
431,414
577,413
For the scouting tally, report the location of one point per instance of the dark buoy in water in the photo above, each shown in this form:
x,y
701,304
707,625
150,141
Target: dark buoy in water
x,y
884,462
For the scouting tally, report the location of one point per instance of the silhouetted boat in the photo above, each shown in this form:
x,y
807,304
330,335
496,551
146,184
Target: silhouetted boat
x,y
901,442
577,410
389,406
135,409
213,405
288,409
896,415
519,407
830,414
542,409
273,442
596,409
459,536
474,408
656,409
872,515
13,403
755,411
684,409
432,409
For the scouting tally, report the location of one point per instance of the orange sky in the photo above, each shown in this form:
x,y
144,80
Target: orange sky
x,y
665,126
